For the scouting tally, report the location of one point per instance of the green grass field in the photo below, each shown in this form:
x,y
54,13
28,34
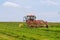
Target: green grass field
x,y
12,31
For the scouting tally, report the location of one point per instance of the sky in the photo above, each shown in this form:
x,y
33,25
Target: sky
x,y
15,10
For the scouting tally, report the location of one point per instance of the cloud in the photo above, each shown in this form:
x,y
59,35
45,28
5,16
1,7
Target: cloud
x,y
48,2
10,4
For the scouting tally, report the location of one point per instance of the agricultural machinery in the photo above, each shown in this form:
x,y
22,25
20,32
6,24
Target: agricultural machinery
x,y
32,22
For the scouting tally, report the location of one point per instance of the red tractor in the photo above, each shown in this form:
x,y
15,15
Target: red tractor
x,y
32,22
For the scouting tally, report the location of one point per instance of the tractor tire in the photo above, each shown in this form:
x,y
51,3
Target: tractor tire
x,y
46,26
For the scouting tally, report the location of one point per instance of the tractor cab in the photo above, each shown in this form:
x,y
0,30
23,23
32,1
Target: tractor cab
x,y
30,17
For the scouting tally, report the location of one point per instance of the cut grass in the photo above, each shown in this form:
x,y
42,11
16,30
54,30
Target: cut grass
x,y
12,31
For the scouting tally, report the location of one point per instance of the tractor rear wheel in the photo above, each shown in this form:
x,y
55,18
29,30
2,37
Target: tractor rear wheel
x,y
46,26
